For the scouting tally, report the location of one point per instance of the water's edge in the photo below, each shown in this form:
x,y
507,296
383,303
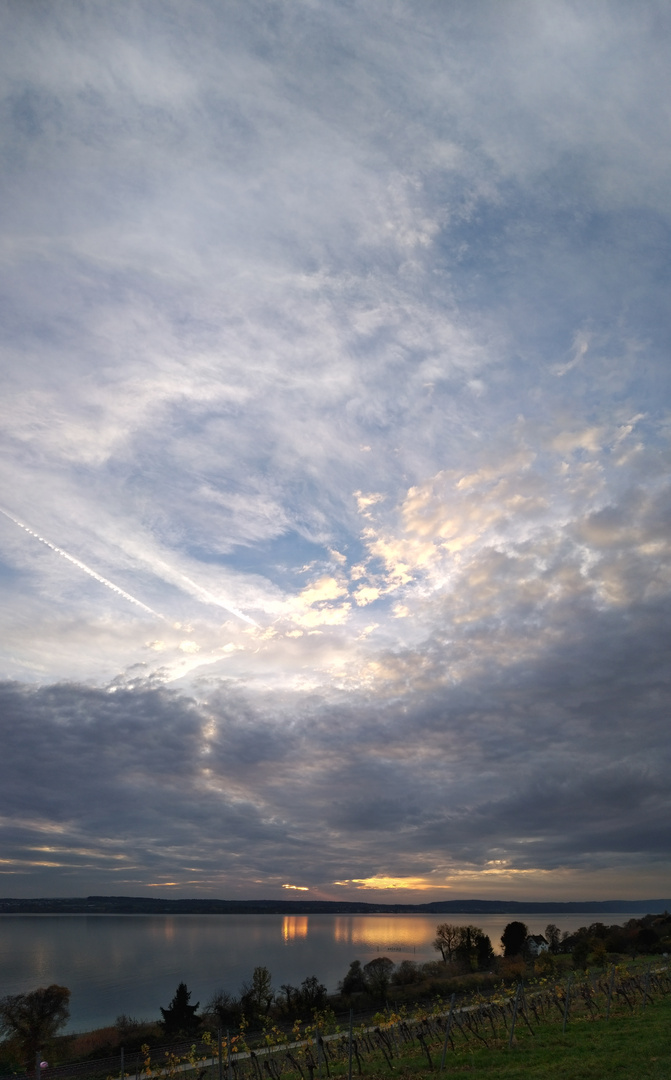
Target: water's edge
x,y
132,964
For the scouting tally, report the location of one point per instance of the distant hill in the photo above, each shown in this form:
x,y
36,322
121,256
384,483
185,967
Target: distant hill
x,y
150,905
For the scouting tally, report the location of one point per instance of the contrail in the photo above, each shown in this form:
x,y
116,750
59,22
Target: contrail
x,y
213,600
85,568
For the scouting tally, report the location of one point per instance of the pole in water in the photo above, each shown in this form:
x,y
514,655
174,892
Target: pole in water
x,y
349,1056
447,1033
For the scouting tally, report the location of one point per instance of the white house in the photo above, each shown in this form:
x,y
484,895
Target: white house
x,y
536,944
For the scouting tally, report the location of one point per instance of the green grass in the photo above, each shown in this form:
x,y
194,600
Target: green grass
x,y
634,1047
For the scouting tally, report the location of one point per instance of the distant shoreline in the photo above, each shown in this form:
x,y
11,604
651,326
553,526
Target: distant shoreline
x,y
147,905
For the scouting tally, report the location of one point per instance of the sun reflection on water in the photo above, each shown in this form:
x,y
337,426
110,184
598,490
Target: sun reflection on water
x,y
294,927
383,932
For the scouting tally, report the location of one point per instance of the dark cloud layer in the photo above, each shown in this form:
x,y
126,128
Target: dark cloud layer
x,y
559,768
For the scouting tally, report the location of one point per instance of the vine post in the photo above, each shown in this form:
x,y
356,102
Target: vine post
x,y
566,1004
447,1033
512,1023
611,983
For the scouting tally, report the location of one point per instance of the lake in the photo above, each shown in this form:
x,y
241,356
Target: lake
x,y
132,964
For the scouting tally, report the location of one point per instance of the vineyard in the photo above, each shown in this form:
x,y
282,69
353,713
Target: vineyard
x,y
436,1039
445,1037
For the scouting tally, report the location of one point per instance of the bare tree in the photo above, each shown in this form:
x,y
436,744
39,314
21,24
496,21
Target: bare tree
x,y
553,937
378,974
33,1019
448,937
257,997
290,992
312,994
223,1010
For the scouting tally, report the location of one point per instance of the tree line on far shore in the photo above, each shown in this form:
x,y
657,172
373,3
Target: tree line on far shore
x,y
30,1022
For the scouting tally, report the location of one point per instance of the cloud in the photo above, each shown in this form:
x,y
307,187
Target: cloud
x,y
521,769
350,362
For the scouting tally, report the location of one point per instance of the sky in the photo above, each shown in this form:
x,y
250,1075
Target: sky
x,y
335,464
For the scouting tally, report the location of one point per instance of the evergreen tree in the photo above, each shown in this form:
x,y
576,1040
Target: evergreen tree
x,y
180,1017
513,938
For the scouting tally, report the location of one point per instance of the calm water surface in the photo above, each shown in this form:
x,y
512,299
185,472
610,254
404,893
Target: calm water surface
x,y
132,963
